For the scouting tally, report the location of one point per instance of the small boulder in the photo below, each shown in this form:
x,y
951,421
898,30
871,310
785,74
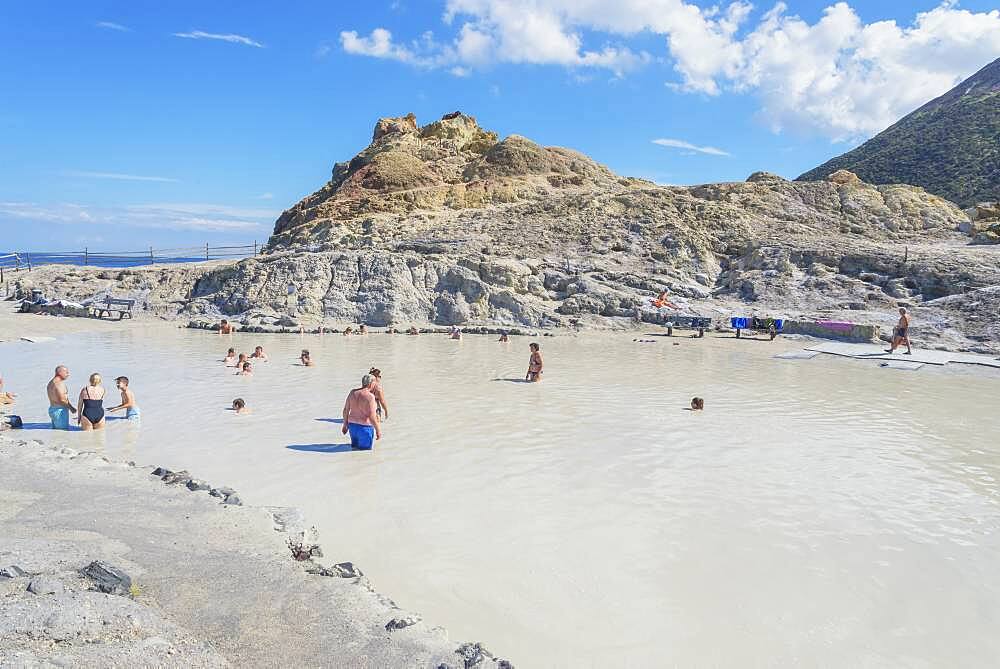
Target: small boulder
x,y
233,500
44,585
172,478
401,623
844,177
765,177
345,570
12,571
221,492
197,484
107,578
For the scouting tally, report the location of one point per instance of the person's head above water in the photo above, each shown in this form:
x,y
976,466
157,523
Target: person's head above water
x,y
122,382
376,372
902,311
534,347
62,371
259,349
230,352
247,367
367,380
697,403
305,353
95,379
238,403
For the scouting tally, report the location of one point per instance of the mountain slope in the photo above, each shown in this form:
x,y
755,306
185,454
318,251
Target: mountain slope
x,y
950,146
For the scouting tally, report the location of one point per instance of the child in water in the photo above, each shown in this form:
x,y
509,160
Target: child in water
x,y
239,406
305,359
697,403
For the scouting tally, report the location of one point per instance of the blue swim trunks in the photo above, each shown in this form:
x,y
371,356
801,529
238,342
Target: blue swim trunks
x,y
132,413
362,436
59,417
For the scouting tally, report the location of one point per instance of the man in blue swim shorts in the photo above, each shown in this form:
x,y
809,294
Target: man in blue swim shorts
x,y
59,404
360,416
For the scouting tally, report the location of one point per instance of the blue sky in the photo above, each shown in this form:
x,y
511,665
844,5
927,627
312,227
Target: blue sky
x,y
125,124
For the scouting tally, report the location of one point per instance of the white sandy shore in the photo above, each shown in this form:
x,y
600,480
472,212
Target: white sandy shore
x,y
213,584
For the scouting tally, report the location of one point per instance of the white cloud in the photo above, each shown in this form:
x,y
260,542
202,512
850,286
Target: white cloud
x,y
109,25
116,176
224,37
265,196
688,146
183,216
378,45
837,76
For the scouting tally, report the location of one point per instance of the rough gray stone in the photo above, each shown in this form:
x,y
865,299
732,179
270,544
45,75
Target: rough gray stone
x,y
107,578
473,654
45,585
221,492
174,478
401,623
233,500
197,484
12,571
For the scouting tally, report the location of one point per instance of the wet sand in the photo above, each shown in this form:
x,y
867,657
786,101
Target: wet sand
x,y
822,509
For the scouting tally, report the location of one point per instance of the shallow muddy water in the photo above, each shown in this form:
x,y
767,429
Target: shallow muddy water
x,y
819,512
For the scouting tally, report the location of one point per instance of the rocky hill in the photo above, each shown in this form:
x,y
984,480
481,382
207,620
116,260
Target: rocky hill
x,y
449,224
950,146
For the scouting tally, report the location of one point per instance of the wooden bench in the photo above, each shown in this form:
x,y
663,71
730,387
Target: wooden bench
x,y
113,305
699,323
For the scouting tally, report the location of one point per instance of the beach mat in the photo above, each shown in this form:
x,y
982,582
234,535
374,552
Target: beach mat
x,y
796,355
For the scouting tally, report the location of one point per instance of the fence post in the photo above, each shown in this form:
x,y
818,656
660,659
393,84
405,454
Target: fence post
x,y
150,255
206,250
86,256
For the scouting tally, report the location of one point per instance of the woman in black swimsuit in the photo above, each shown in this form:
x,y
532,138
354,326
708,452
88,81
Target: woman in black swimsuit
x,y
91,416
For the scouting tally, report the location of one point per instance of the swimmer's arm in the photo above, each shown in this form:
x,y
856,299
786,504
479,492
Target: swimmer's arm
x,y
380,401
127,403
378,424
347,412
64,400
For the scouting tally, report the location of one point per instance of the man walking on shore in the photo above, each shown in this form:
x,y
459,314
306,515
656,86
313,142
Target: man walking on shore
x,y
59,404
360,416
901,334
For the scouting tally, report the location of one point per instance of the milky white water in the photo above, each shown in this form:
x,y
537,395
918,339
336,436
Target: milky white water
x,y
820,512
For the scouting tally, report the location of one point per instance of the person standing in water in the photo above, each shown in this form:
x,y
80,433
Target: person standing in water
x,y
361,416
91,416
382,409
128,399
258,354
225,327
534,364
59,405
901,334
306,359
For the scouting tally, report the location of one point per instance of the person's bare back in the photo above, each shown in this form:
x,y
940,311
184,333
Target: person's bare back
x,y
361,407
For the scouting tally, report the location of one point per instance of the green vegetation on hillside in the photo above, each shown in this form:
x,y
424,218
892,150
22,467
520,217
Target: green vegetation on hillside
x,y
950,146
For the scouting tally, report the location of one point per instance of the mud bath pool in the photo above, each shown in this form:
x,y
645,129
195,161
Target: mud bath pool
x,y
820,511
